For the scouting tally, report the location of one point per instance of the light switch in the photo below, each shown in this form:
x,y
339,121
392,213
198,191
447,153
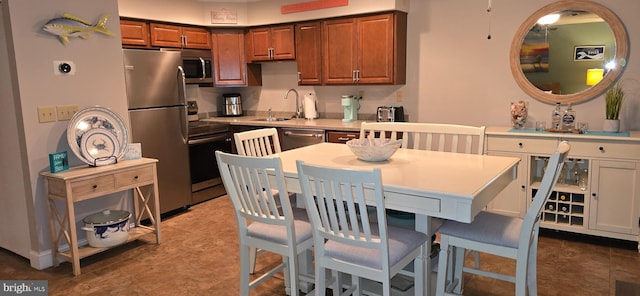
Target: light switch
x,y
65,112
46,114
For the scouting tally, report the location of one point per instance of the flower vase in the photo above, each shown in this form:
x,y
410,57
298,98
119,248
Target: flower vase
x,y
611,125
519,112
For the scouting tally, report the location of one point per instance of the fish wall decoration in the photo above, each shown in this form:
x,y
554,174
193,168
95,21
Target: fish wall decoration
x,y
72,26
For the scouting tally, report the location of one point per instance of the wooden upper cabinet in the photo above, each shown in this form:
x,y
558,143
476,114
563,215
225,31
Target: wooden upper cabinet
x,y
271,43
230,66
163,35
196,38
365,50
309,53
134,33
339,51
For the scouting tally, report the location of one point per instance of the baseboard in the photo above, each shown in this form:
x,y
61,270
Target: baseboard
x,y
42,260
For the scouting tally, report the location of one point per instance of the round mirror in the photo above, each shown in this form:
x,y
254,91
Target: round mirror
x,y
571,58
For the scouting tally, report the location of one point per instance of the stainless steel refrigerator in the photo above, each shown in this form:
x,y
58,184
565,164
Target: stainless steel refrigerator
x,y
158,114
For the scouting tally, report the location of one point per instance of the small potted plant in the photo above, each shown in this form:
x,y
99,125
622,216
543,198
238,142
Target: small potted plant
x,y
613,98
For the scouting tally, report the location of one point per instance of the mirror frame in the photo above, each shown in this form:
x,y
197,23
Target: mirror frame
x,y
621,55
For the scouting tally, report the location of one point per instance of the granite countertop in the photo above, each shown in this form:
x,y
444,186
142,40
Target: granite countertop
x,y
320,123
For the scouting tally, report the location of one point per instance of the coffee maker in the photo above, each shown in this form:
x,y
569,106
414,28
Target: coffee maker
x,y
351,106
230,105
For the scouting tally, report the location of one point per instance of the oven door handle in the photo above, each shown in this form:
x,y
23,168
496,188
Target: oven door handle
x,y
210,139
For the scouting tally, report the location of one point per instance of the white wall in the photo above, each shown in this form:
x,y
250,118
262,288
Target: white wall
x,y
249,14
12,175
465,78
99,80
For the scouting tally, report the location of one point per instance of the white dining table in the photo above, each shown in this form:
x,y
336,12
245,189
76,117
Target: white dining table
x,y
446,185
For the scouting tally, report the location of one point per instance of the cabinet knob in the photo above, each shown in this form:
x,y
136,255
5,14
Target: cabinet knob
x,y
94,186
135,177
520,145
601,149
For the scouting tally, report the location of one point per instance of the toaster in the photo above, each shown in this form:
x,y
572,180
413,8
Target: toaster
x,y
390,113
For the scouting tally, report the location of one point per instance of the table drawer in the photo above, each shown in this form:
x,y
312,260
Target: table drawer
x,y
529,145
134,177
604,150
83,188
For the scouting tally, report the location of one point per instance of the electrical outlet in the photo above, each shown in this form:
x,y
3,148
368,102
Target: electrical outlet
x,y
65,112
399,96
46,114
361,94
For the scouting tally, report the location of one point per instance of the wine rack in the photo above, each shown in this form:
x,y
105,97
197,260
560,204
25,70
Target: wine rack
x,y
564,208
566,204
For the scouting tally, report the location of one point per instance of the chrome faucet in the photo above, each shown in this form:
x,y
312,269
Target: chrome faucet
x,y
298,109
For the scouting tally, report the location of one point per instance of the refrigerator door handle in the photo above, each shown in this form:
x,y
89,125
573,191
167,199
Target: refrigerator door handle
x,y
183,102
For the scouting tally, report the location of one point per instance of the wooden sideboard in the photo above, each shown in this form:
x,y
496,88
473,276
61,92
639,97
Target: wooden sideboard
x,y
609,204
83,183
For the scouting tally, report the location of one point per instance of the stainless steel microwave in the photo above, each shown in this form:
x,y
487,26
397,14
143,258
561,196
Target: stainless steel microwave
x,y
197,66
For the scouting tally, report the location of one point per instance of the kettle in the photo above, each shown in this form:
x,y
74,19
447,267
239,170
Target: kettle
x,y
231,105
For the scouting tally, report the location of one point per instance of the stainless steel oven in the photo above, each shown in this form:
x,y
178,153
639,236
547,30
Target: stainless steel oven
x,y
204,139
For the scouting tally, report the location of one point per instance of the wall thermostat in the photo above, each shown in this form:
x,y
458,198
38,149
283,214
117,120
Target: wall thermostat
x,y
64,68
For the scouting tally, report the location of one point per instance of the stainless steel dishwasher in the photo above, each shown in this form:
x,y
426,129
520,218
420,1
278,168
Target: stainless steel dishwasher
x,y
298,137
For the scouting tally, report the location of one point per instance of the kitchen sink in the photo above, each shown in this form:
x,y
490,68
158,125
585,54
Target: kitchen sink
x,y
273,119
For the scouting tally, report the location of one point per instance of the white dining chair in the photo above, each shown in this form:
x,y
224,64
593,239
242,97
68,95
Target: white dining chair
x,y
258,142
263,223
346,241
429,136
501,235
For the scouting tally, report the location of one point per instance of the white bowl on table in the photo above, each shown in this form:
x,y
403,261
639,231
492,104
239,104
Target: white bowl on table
x,y
374,149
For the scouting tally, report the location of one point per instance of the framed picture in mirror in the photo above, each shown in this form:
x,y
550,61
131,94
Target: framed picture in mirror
x,y
588,53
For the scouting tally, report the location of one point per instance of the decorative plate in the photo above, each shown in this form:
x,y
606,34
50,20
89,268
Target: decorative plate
x,y
99,146
97,136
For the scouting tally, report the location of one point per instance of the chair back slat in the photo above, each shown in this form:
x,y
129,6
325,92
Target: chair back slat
x,y
255,197
430,136
259,142
337,200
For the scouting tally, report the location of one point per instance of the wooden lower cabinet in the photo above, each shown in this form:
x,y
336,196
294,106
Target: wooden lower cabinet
x,y
341,136
606,203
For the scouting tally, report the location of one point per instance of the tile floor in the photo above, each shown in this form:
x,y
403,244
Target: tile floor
x,y
199,256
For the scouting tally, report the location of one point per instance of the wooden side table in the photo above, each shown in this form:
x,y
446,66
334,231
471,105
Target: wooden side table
x,y
83,183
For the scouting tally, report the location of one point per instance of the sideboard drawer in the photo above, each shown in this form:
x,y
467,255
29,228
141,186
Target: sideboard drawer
x,y
84,188
529,145
134,177
604,150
